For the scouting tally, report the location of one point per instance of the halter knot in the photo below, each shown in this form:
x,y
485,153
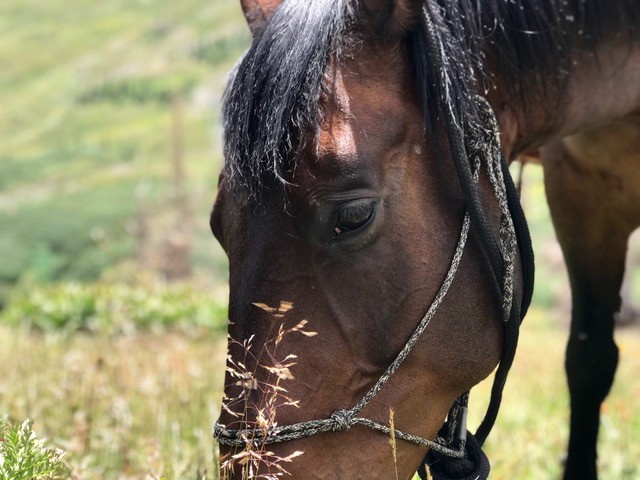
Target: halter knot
x,y
341,420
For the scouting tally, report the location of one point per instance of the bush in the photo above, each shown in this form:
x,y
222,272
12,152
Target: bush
x,y
114,309
218,50
25,457
140,90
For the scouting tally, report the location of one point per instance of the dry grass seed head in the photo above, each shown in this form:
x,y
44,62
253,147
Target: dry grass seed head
x,y
255,456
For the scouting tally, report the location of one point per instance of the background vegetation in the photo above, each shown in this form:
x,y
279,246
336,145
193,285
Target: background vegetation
x,y
110,111
112,289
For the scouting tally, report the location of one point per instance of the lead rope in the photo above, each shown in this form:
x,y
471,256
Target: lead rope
x,y
483,145
484,142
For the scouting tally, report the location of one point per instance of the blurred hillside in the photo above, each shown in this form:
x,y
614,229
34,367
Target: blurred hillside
x,y
110,140
110,144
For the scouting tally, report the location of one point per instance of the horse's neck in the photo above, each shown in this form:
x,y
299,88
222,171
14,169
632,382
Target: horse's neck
x,y
601,87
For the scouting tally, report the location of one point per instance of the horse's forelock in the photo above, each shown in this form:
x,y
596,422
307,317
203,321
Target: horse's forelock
x,y
275,91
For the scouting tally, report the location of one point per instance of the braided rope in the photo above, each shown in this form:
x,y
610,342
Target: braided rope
x,y
457,131
486,142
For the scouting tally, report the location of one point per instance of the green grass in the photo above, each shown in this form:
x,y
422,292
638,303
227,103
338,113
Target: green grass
x,y
112,309
529,439
87,93
130,407
23,456
142,405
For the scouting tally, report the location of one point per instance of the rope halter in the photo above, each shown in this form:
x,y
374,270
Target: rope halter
x,y
484,150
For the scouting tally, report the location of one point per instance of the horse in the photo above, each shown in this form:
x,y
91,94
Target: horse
x,y
365,184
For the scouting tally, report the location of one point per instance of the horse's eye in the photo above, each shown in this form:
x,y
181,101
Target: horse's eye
x,y
353,217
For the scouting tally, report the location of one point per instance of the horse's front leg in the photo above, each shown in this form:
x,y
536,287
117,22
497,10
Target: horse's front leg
x,y
592,208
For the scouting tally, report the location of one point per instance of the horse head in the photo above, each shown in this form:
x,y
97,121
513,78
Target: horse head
x,y
339,208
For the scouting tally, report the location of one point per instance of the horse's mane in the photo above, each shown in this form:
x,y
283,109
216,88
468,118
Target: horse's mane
x,y
274,91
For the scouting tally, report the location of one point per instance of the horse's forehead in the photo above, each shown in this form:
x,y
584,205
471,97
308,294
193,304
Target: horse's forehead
x,y
336,135
358,108
337,139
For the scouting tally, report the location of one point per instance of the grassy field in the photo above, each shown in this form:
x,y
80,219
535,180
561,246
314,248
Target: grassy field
x,y
142,406
91,93
529,439
88,106
133,407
